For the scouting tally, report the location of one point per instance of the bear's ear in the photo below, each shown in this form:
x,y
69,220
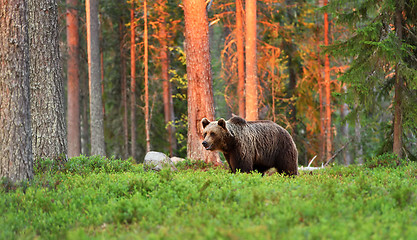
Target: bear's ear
x,y
222,123
205,122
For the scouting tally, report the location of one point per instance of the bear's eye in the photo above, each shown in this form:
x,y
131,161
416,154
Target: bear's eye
x,y
212,134
204,135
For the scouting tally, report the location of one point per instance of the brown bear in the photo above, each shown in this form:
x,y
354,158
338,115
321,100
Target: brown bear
x,y
252,145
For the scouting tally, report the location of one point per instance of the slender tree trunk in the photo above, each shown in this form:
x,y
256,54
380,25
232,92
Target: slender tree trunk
x,y
240,58
272,63
16,159
322,138
358,138
251,67
328,109
166,84
200,85
145,40
344,111
398,112
132,81
49,137
84,127
96,111
123,91
73,95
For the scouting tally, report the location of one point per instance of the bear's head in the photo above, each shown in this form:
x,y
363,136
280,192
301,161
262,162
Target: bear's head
x,y
215,135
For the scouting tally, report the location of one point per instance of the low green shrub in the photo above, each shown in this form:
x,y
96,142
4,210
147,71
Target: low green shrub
x,y
96,198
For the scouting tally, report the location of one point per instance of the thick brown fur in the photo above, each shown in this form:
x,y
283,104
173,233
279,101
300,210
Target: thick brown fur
x,y
252,145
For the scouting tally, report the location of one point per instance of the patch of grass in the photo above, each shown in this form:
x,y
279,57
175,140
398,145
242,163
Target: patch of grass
x,y
97,198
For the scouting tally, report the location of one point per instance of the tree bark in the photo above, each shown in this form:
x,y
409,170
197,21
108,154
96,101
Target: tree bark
x,y
166,84
251,67
73,95
96,111
240,58
132,81
398,111
328,110
49,138
200,85
145,43
16,158
123,85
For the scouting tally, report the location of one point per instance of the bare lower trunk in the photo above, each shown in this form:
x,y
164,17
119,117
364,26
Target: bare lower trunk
x,y
96,111
123,85
145,40
328,110
73,117
132,81
398,112
166,85
251,68
241,58
16,159
49,138
200,86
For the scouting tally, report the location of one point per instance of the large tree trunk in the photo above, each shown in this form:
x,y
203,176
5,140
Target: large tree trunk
x,y
166,84
251,68
240,58
16,159
398,111
132,81
200,85
145,43
328,110
96,111
73,95
123,85
49,136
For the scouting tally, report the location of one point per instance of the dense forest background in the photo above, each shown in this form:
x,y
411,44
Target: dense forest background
x,y
363,58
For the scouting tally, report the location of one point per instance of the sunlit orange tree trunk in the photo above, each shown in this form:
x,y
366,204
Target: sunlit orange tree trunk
x,y
240,58
73,95
200,91
328,110
94,75
16,159
251,68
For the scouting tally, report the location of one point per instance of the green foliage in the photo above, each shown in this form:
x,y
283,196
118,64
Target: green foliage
x,y
389,160
378,55
353,202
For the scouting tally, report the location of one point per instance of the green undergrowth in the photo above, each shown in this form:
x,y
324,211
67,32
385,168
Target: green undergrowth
x,y
98,198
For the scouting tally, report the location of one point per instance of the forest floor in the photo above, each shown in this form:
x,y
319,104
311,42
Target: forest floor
x,y
98,198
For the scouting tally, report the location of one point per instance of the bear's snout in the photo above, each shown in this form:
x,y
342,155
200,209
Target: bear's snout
x,y
205,144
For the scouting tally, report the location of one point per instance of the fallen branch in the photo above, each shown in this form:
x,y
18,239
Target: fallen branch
x,y
337,152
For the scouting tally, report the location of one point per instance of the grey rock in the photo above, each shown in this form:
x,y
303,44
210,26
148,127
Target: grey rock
x,y
157,161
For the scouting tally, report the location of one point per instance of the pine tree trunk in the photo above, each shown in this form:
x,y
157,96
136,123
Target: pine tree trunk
x,y
200,85
251,68
145,43
73,95
132,82
49,138
96,111
328,111
16,159
123,85
398,112
166,84
240,58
